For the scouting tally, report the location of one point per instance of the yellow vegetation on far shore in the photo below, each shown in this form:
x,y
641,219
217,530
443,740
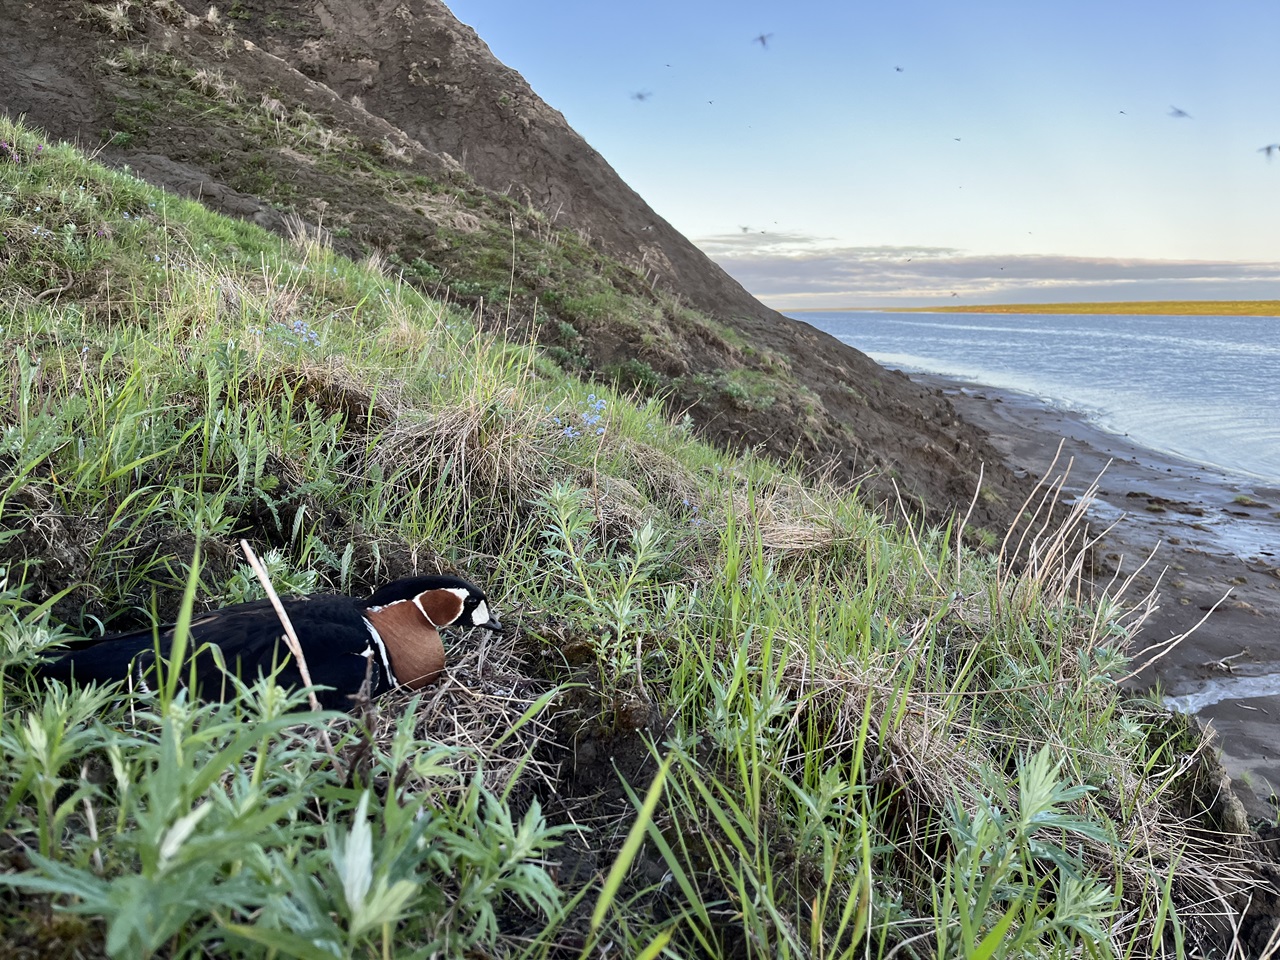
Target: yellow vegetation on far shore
x,y
1195,308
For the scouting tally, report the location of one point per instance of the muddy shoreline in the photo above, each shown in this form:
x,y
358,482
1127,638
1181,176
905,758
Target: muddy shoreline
x,y
1214,544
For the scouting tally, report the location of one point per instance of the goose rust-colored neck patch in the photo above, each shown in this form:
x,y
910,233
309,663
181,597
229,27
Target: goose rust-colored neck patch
x,y
413,645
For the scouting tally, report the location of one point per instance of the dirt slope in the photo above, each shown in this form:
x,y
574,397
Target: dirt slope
x,y
393,125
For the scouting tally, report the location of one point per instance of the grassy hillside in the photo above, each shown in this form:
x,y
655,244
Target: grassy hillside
x,y
738,714
551,246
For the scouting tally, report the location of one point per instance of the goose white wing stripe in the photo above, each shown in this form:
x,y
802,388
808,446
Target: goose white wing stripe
x,y
382,651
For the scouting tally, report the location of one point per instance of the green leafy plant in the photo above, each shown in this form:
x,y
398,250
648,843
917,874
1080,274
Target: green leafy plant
x,y
605,585
996,901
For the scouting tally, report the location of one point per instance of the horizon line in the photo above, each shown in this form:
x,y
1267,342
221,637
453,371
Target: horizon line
x,y
1243,308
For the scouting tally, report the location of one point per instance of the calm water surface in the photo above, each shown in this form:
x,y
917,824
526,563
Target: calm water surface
x,y
1204,388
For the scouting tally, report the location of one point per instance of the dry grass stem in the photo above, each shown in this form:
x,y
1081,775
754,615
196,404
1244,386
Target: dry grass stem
x,y
1168,646
295,647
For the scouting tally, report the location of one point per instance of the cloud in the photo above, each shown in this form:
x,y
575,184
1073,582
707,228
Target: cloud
x,y
795,271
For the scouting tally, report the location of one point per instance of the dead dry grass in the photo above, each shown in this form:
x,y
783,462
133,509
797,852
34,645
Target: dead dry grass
x,y
496,719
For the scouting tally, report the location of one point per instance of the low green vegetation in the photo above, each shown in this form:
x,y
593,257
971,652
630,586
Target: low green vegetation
x,y
736,714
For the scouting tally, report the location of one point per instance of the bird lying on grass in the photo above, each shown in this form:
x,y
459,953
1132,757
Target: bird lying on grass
x,y
392,636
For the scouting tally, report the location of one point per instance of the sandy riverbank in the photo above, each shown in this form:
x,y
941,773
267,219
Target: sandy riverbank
x,y
1214,536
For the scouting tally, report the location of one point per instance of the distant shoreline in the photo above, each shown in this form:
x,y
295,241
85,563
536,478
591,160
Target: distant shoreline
x,y
1168,308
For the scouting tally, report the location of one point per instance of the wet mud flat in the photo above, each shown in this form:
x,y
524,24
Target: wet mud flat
x,y
1211,546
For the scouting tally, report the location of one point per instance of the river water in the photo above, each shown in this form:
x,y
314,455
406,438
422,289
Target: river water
x,y
1203,388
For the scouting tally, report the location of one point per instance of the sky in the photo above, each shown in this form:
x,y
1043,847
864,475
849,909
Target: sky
x,y
917,152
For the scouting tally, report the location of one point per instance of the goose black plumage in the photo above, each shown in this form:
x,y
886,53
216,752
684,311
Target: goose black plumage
x,y
396,630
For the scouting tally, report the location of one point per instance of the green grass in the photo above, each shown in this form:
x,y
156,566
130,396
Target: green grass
x,y
737,714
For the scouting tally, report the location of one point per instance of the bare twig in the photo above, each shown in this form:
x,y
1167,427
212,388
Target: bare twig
x,y
1224,664
291,641
56,291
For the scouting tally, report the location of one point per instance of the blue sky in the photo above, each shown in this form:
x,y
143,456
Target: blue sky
x,y
902,152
